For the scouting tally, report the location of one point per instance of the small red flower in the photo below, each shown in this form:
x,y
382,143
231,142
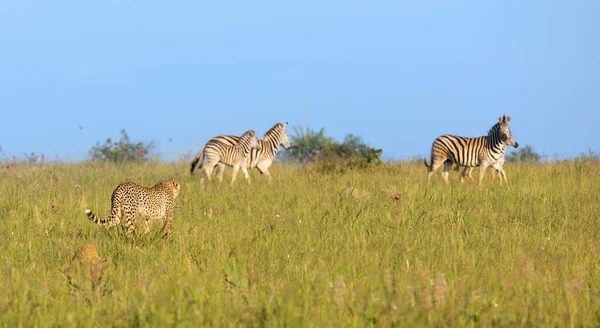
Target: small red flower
x,y
77,186
396,196
52,205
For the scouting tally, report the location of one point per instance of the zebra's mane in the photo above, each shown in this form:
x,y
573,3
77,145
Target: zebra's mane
x,y
494,128
244,138
272,130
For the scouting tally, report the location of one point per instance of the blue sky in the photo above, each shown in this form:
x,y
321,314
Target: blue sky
x,y
397,73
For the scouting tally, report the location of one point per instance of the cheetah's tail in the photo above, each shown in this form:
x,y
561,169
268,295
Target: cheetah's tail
x,y
108,221
196,160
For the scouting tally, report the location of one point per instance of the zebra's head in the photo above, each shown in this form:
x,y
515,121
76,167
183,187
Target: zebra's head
x,y
248,140
506,134
285,139
277,136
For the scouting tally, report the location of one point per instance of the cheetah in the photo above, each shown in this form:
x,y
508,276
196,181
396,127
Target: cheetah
x,y
132,200
88,255
76,270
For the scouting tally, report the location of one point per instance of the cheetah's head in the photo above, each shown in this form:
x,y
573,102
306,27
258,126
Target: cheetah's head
x,y
174,186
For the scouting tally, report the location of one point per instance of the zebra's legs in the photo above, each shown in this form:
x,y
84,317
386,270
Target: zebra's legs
x,y
502,174
220,170
244,171
246,175
265,170
435,164
467,172
446,173
493,173
234,174
208,168
269,177
429,174
482,167
471,176
206,171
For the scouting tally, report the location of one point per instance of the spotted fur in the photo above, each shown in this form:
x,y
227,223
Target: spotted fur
x,y
130,201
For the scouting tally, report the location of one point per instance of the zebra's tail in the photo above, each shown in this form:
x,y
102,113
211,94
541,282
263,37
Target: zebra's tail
x,y
196,160
425,162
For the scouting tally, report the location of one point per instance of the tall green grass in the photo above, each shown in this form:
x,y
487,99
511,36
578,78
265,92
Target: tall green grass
x,y
311,249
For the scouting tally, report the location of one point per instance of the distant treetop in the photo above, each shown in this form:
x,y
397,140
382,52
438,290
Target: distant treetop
x,y
524,154
122,151
314,146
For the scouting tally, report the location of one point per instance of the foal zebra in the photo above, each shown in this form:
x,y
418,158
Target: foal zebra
x,y
261,157
470,152
235,155
497,169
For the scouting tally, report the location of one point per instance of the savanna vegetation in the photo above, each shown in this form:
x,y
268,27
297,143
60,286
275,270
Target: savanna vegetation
x,y
123,150
361,246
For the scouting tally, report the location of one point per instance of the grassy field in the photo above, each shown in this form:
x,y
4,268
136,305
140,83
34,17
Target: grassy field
x,y
312,249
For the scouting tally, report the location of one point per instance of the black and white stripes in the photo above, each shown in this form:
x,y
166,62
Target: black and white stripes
x,y
260,157
497,168
235,155
470,152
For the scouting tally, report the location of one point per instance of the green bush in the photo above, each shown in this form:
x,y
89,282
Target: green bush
x,y
524,154
325,154
123,150
306,144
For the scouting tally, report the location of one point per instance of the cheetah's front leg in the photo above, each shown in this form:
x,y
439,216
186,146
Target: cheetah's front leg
x,y
129,220
168,221
146,226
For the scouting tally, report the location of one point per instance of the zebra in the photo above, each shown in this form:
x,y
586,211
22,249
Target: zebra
x,y
261,157
497,170
235,155
470,152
